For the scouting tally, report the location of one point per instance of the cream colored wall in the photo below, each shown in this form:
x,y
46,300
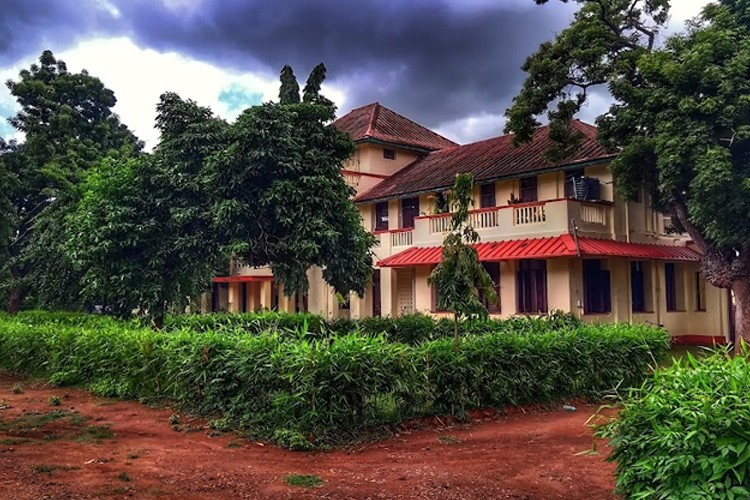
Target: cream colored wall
x,y
371,159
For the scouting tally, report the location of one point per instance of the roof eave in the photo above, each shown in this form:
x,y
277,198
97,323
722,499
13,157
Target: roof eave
x,y
416,149
567,166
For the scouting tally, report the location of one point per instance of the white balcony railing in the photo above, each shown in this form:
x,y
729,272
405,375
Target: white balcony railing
x,y
402,238
484,218
593,214
529,214
440,224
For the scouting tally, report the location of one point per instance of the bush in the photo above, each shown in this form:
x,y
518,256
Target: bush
x,y
327,390
686,432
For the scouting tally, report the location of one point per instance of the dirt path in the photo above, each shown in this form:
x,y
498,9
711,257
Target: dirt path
x,y
88,447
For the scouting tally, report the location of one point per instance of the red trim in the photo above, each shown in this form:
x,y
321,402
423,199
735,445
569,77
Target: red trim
x,y
365,174
241,279
546,248
698,340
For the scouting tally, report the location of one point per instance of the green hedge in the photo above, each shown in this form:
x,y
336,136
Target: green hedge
x,y
686,432
409,329
324,390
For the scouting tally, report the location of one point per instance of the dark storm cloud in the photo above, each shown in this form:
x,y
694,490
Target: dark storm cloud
x,y
27,27
432,61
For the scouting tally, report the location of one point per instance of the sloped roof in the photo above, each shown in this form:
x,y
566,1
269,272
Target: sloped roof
x,y
376,122
486,160
545,248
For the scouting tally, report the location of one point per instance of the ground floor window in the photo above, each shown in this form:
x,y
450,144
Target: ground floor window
x,y
377,309
597,297
274,295
493,269
674,287
531,286
640,287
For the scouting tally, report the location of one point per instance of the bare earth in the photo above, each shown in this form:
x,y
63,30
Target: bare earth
x,y
94,447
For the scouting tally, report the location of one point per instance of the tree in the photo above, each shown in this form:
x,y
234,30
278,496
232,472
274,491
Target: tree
x,y
289,91
142,233
7,212
681,124
281,199
461,279
68,125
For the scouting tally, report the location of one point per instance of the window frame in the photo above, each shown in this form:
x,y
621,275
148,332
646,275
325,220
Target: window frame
x,y
532,274
377,224
528,189
389,154
412,213
597,287
487,196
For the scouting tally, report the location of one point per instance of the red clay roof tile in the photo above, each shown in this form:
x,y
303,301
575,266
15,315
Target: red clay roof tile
x,y
486,160
376,122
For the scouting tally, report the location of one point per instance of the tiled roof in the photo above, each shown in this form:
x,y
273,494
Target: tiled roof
x,y
486,160
545,248
376,122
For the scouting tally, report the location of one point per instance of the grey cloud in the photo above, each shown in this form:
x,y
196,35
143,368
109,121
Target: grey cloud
x,y
434,61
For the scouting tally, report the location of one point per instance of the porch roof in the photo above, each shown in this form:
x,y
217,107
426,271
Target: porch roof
x,y
545,248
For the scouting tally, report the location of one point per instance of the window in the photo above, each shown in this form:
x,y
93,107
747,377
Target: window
x,y
493,269
640,287
487,196
381,216
529,190
571,178
300,303
596,288
389,154
409,211
700,292
531,286
376,304
674,287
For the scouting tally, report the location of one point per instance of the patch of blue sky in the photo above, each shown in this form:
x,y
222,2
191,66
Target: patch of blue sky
x,y
237,98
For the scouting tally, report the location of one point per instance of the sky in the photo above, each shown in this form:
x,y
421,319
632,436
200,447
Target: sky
x,y
451,65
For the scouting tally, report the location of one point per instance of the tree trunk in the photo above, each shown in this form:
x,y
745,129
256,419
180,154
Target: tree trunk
x,y
17,294
741,290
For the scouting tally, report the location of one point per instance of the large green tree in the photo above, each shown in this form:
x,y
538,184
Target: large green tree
x,y
281,198
461,279
680,119
68,125
142,235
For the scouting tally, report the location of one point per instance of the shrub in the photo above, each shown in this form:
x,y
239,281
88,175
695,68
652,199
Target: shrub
x,y
685,433
328,389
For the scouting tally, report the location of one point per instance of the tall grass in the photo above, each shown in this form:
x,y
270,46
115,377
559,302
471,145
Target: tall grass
x,y
685,433
322,390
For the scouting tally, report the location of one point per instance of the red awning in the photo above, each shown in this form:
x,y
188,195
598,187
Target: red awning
x,y
241,279
546,248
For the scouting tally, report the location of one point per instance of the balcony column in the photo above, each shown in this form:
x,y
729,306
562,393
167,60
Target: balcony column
x,y
387,292
233,304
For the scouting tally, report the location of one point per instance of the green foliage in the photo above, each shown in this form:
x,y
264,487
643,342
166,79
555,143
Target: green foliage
x,y
328,390
684,432
460,276
280,199
680,122
69,126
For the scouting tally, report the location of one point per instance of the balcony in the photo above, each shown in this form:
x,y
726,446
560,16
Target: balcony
x,y
525,220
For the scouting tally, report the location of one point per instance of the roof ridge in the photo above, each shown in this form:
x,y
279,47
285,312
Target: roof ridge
x,y
373,119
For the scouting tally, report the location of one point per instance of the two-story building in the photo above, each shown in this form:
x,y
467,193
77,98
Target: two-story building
x,y
554,236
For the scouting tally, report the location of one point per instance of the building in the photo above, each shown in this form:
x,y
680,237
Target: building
x,y
555,236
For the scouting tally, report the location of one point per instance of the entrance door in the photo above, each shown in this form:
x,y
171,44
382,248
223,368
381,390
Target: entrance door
x,y
405,283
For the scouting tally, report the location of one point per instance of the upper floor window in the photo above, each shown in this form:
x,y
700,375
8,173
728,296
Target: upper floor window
x,y
529,189
389,154
487,196
409,212
381,216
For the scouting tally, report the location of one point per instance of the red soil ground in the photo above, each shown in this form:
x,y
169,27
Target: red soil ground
x,y
108,448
